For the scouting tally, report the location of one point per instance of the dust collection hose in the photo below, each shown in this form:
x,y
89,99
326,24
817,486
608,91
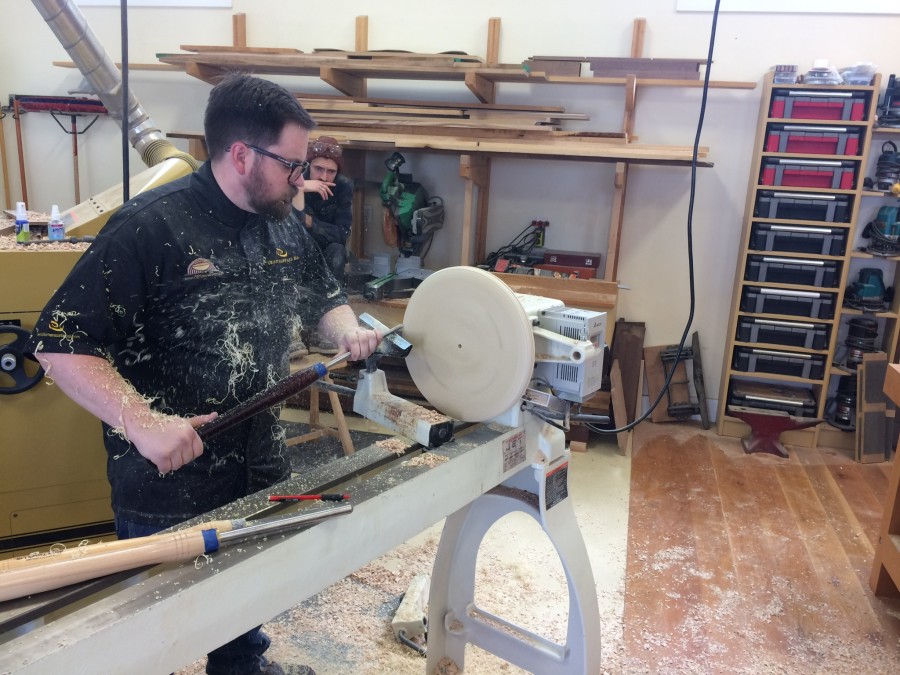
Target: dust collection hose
x,y
71,29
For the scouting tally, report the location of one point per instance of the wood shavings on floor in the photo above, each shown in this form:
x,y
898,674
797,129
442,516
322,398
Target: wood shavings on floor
x,y
347,627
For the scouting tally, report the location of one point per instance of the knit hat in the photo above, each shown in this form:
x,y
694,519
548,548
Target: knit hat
x,y
327,147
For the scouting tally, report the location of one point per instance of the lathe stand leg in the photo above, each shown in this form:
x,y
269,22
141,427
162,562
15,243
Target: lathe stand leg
x,y
455,621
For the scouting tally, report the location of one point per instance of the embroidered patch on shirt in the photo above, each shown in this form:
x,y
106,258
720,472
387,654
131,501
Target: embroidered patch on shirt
x,y
202,267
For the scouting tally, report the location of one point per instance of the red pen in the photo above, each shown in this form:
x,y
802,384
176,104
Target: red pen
x,y
336,497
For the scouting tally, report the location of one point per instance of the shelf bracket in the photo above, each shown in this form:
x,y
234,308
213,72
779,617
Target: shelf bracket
x,y
482,87
344,82
207,73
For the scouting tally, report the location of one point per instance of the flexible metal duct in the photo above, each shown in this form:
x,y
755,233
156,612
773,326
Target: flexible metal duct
x,y
71,29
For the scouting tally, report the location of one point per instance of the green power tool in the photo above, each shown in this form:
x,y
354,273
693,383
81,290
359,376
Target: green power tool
x,y
884,232
415,214
868,292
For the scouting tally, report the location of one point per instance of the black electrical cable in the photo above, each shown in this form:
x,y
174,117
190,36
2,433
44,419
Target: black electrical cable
x,y
419,649
690,237
126,146
523,244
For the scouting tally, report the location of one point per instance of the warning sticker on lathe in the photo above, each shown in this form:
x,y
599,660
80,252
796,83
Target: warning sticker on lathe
x,y
556,485
513,451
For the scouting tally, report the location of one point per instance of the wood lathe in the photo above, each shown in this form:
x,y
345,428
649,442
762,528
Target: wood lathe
x,y
509,369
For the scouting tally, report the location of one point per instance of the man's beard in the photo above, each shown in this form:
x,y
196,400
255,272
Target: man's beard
x,y
276,209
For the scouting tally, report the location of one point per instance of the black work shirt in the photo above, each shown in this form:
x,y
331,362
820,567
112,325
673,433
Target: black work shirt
x,y
194,301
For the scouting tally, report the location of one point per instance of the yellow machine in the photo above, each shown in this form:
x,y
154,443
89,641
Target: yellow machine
x,y
53,483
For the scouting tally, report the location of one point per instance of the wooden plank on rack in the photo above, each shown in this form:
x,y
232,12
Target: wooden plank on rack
x,y
394,123
449,57
558,148
675,69
582,293
239,49
304,97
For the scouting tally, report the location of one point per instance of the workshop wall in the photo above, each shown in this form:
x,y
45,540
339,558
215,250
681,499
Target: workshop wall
x,y
573,196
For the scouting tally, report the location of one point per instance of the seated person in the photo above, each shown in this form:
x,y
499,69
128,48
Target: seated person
x,y
327,203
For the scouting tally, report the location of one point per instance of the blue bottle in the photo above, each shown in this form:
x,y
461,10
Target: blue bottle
x,y
56,231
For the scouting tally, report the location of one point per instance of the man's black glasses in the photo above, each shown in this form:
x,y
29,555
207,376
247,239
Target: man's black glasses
x,y
296,168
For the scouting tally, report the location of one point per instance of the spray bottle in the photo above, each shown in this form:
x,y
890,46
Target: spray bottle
x,y
23,232
56,231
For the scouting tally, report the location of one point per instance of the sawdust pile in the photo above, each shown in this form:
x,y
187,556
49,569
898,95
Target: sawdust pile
x,y
8,242
347,628
396,444
428,459
753,594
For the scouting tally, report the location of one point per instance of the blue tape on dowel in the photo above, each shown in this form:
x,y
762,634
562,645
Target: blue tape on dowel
x,y
210,541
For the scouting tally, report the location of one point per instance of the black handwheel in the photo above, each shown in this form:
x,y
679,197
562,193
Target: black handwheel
x,y
13,359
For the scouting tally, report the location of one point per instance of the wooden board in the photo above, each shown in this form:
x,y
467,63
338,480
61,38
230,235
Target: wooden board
x,y
619,406
675,69
578,437
242,49
627,348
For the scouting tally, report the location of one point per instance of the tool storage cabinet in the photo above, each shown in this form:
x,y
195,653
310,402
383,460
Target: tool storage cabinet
x,y
801,231
860,260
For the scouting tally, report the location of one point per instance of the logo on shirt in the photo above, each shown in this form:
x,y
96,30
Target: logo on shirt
x,y
202,267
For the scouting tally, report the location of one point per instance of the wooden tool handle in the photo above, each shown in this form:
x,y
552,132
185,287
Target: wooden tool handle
x,y
45,557
280,391
88,562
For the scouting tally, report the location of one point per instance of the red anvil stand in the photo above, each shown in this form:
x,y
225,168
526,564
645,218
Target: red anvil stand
x,y
766,426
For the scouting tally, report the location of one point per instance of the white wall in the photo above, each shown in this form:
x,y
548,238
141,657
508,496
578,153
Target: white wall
x,y
573,196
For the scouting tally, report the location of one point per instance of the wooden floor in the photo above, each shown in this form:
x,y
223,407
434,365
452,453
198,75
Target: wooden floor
x,y
751,563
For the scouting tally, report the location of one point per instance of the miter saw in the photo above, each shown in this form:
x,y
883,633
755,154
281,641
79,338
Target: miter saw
x,y
411,217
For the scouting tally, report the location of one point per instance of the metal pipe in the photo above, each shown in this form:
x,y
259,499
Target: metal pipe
x,y
71,29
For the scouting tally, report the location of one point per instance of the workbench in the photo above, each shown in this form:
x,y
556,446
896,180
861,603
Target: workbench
x,y
160,619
